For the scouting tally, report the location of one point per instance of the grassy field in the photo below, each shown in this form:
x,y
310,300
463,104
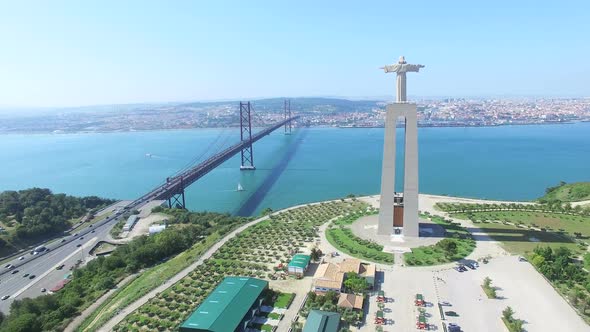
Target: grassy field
x,y
568,192
518,240
559,229
550,221
147,281
284,300
434,254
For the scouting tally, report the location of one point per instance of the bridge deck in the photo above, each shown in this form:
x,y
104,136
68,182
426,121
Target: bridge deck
x,y
175,185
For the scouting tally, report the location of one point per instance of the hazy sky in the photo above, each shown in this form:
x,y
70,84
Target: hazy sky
x,y
66,53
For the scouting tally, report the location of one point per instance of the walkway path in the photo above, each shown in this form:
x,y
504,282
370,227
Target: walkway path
x,y
78,320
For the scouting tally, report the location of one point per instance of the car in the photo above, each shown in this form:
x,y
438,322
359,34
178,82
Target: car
x,y
522,259
60,267
43,290
5,297
25,275
458,268
81,238
32,276
63,240
476,264
470,265
78,245
14,272
453,327
21,258
8,266
93,231
451,314
445,303
91,225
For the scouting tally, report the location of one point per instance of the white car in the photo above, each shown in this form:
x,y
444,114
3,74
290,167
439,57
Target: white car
x,y
21,258
5,297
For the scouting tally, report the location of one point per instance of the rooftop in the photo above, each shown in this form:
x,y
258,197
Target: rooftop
x,y
300,260
322,321
225,307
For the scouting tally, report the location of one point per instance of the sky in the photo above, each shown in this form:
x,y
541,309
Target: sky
x,y
72,53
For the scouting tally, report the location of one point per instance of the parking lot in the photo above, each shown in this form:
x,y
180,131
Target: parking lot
x,y
520,286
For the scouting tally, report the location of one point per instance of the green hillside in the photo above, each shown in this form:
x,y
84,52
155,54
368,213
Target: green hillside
x,y
567,192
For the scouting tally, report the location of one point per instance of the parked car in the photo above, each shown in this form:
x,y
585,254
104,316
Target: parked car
x,y
522,259
32,276
451,314
81,238
14,272
25,275
21,258
470,265
78,245
5,297
8,266
445,303
93,231
43,290
63,240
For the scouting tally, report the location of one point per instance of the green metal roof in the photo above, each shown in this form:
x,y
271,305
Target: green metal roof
x,y
322,321
224,308
300,260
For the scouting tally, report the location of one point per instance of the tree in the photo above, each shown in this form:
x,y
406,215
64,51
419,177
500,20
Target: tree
x,y
449,246
355,283
508,314
316,254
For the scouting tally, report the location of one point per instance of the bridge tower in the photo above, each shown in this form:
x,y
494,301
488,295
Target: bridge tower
x,y
246,136
287,116
177,197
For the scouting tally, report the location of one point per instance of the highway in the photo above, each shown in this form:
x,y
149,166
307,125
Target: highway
x,y
43,266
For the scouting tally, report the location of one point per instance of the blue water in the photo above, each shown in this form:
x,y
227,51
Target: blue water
x,y
511,162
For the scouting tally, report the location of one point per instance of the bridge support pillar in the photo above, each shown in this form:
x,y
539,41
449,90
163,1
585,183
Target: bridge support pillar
x,y
177,199
246,137
287,116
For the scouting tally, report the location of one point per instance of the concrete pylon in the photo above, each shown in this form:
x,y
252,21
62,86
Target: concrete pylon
x,y
410,197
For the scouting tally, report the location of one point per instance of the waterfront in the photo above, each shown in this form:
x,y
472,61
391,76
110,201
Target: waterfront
x,y
510,162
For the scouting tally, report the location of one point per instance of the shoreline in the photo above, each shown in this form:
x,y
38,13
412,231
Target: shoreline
x,y
462,125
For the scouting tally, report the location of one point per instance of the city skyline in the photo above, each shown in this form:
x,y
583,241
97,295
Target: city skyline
x,y
65,54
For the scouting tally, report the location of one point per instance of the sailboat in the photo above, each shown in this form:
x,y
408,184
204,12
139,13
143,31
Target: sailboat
x,y
240,188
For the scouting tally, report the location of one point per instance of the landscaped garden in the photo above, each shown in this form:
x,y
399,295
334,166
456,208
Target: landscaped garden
x,y
256,252
522,227
457,245
342,238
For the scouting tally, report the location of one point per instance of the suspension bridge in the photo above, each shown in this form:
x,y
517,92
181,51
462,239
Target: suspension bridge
x,y
173,189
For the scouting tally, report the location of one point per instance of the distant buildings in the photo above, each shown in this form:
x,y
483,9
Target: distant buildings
x,y
230,307
314,112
